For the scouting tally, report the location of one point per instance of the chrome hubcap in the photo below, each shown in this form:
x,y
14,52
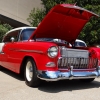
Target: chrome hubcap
x,y
29,71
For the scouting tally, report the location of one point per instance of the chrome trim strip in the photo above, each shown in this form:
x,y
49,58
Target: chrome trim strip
x,y
58,75
79,69
21,50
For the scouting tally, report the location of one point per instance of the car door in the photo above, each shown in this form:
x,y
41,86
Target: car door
x,y
7,59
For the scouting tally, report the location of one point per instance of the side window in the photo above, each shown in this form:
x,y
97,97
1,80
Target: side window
x,y
8,36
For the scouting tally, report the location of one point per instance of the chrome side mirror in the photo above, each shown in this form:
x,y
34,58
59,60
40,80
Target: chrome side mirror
x,y
12,39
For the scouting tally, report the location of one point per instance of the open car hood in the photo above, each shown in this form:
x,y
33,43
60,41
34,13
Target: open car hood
x,y
64,21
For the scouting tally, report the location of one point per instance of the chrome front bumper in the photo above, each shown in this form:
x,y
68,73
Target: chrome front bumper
x,y
58,75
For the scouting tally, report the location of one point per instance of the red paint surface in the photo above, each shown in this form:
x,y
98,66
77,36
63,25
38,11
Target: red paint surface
x,y
63,22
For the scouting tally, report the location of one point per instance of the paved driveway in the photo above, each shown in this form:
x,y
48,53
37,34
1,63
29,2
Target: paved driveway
x,y
12,87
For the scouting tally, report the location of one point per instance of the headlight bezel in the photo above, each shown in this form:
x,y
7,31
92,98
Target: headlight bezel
x,y
53,51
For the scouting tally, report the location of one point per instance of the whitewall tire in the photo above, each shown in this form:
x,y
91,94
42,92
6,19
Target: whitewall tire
x,y
30,73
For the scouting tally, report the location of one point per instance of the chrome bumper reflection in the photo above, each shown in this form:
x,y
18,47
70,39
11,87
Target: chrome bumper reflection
x,y
58,75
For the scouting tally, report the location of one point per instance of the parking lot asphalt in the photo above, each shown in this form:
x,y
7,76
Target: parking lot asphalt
x,y
13,87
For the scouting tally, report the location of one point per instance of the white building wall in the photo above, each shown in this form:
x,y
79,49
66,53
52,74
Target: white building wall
x,y
18,9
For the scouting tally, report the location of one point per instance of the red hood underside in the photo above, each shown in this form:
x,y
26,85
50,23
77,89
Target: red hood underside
x,y
64,22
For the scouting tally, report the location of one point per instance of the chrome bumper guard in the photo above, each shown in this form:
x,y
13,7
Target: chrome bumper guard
x,y
58,75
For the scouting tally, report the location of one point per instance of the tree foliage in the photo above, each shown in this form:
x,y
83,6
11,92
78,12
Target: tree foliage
x,y
91,31
36,14
3,29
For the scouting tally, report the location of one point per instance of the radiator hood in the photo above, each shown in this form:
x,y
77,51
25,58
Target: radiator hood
x,y
64,21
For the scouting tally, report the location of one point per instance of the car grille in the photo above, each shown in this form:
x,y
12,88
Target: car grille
x,y
77,63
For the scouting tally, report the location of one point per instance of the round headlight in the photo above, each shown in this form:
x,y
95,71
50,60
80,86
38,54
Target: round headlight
x,y
52,52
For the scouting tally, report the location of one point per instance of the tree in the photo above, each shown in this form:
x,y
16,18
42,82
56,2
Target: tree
x,y
91,31
48,4
3,29
36,15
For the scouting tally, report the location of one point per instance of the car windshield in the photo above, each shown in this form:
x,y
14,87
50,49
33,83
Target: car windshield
x,y
78,44
26,33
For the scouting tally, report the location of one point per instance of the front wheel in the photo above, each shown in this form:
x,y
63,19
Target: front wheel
x,y
31,78
87,80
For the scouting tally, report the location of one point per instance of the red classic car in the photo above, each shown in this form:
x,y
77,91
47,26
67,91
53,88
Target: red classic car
x,y
35,53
